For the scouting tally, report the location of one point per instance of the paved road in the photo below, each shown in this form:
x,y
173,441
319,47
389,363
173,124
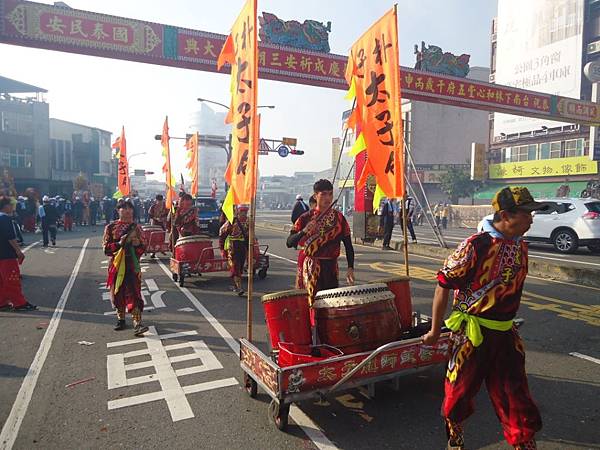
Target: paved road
x,y
182,385
453,236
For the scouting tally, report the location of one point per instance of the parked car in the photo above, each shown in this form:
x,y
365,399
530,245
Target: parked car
x,y
567,224
209,213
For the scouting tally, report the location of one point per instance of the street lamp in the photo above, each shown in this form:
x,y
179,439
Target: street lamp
x,y
204,100
130,157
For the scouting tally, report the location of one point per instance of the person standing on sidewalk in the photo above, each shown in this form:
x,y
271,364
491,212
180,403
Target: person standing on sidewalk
x,y
487,272
123,243
299,208
49,216
445,214
386,223
11,256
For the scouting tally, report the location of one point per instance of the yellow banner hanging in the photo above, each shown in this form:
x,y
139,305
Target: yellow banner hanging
x,y
373,73
192,165
166,151
124,184
241,50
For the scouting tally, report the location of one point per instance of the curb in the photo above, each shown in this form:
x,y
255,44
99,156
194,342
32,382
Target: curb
x,y
586,277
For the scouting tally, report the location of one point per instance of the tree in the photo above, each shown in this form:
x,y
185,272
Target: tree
x,y
457,184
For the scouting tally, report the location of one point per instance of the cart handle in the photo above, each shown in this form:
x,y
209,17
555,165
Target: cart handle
x,y
365,361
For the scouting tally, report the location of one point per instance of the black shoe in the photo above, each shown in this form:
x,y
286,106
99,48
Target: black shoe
x,y
120,325
53,243
241,293
140,329
26,307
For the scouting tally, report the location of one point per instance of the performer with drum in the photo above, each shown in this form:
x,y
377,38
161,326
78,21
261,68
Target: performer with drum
x,y
320,231
233,241
123,243
158,212
487,272
186,220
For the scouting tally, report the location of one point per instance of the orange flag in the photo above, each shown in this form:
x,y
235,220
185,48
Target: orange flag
x,y
373,73
192,147
166,151
124,184
241,50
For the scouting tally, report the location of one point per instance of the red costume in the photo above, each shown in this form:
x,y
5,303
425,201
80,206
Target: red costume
x,y
487,274
129,294
187,222
319,266
158,215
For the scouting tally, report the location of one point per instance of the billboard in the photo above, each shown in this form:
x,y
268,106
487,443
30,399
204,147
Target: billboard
x,y
539,48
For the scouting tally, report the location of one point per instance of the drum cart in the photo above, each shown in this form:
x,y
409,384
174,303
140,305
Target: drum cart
x,y
154,239
210,260
317,379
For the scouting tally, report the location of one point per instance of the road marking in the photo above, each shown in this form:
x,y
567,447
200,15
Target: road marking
x,y
168,377
589,314
586,357
311,430
281,257
11,427
26,249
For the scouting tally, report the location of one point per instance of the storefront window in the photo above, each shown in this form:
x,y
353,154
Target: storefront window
x,y
555,148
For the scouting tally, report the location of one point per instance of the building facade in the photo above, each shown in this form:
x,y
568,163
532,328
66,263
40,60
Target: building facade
x,y
542,45
24,132
212,161
77,149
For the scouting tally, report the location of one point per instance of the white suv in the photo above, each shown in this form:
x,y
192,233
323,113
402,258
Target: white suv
x,y
567,224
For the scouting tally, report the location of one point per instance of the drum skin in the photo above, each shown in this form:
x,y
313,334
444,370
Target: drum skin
x,y
189,249
287,316
400,286
153,236
358,320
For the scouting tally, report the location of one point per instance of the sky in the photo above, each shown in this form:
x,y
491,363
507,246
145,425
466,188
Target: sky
x,y
107,94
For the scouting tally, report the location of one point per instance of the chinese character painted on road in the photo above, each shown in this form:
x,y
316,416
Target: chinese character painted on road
x,y
162,360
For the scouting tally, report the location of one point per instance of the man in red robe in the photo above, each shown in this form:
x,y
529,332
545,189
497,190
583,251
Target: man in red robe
x,y
123,243
487,272
320,231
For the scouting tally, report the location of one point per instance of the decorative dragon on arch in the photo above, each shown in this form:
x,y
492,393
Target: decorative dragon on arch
x,y
432,58
310,35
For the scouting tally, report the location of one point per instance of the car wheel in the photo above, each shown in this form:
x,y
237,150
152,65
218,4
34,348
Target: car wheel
x,y
565,241
594,248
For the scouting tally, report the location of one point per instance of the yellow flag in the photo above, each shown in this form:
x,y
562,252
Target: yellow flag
x,y
228,205
359,145
377,196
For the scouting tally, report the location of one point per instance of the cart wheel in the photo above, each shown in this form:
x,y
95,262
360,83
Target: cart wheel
x,y
250,385
262,274
175,277
279,414
181,280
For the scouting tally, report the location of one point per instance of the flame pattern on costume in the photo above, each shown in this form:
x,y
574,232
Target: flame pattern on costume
x,y
322,243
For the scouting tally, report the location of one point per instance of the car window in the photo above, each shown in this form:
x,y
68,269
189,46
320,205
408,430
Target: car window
x,y
562,208
593,207
204,205
552,208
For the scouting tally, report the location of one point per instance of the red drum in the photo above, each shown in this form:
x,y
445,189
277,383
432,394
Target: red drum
x,y
401,288
356,318
154,238
287,317
191,249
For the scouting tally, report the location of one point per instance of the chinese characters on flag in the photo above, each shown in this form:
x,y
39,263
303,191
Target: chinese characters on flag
x,y
166,151
373,73
123,182
240,50
192,147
